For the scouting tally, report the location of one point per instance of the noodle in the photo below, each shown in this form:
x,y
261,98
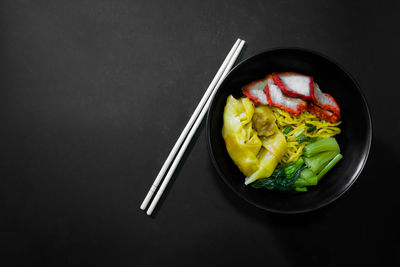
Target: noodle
x,y
284,119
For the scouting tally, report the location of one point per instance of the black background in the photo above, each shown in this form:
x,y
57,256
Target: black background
x,y
94,94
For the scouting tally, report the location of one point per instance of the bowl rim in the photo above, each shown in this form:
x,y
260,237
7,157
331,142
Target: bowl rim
x,y
365,153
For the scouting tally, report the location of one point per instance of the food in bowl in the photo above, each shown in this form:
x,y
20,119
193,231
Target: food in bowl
x,y
280,134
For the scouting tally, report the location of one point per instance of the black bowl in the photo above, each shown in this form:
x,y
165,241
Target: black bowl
x,y
354,140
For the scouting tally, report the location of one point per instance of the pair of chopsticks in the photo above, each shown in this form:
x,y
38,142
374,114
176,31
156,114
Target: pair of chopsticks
x,y
190,129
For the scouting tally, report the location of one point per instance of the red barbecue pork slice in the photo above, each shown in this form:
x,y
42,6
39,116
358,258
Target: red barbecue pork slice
x,y
324,100
276,98
323,114
294,84
255,91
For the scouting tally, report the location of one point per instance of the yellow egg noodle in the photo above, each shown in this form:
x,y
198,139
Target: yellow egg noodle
x,y
284,119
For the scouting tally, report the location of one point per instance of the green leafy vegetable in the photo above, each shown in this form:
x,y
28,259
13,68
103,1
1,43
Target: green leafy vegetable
x,y
320,157
283,178
276,182
326,144
264,183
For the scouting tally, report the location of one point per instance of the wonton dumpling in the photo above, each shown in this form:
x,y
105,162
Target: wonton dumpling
x,y
274,147
256,158
242,142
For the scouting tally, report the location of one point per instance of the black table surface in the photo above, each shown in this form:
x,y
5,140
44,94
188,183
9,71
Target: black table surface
x,y
94,95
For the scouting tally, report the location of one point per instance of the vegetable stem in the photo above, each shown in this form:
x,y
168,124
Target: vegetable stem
x,y
317,162
326,144
299,133
329,166
301,189
307,177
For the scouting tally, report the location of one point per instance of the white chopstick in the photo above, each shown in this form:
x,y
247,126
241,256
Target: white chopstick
x,y
185,131
202,109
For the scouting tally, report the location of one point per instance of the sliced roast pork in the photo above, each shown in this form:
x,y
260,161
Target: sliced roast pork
x,y
276,98
255,91
324,100
294,84
323,114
